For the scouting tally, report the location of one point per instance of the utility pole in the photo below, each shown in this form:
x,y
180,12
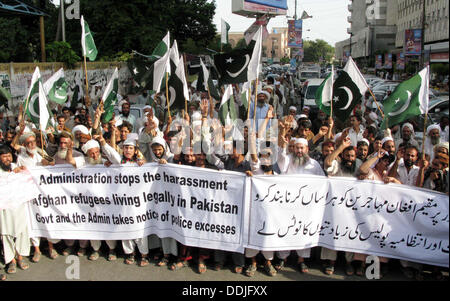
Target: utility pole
x,y
295,14
63,22
422,40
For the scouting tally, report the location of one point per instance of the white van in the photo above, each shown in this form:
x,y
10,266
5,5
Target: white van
x,y
310,88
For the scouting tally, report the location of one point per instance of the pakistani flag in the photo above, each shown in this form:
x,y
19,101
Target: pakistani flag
x,y
245,94
5,96
32,100
109,97
138,68
254,66
153,78
205,82
44,111
56,87
324,93
409,99
176,84
227,109
87,41
233,66
224,35
348,90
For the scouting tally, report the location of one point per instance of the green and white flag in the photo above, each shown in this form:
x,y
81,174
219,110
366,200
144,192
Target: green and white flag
x,y
348,90
176,89
254,66
110,96
87,41
44,111
224,35
245,94
32,99
233,66
409,99
56,87
5,96
324,93
205,82
227,109
153,78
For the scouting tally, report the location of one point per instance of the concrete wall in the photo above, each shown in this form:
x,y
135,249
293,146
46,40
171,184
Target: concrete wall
x,y
16,77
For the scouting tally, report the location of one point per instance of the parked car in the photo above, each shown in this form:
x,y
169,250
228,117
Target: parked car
x,y
310,88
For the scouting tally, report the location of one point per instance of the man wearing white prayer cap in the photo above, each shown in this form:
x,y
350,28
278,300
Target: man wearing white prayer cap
x,y
93,153
388,145
31,156
298,162
432,139
407,136
262,107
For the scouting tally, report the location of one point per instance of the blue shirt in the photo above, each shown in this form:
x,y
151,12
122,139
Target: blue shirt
x,y
261,113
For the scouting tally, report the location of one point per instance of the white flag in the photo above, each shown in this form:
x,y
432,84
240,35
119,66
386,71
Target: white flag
x,y
255,62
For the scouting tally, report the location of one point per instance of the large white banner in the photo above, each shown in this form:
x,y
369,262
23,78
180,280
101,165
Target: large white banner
x,y
197,207
16,189
397,221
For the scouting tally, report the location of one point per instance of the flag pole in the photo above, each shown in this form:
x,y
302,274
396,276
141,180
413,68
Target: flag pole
x,y
167,93
249,100
87,100
254,109
186,77
376,102
332,82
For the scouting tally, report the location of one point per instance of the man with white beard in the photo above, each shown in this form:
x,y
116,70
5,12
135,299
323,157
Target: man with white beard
x,y
297,162
432,139
30,156
67,155
93,157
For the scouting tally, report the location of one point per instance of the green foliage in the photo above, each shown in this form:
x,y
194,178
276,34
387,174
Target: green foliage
x,y
20,34
285,60
118,57
241,44
314,50
62,52
439,69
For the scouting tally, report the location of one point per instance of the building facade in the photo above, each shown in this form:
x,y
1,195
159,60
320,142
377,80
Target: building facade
x,y
274,46
378,26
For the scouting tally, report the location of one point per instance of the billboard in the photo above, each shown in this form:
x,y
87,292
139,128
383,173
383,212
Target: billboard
x,y
413,40
400,61
250,8
295,33
379,61
388,61
272,3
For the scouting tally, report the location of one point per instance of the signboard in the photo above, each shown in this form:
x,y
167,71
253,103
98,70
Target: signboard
x,y
379,61
250,8
295,33
413,40
388,61
400,61
272,3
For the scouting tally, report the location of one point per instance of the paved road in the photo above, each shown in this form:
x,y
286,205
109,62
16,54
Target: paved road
x,y
102,270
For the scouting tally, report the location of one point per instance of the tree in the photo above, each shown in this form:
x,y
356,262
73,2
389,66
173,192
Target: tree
x,y
141,24
20,34
315,50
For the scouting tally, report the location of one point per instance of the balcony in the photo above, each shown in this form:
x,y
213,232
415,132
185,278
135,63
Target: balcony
x,y
349,19
350,7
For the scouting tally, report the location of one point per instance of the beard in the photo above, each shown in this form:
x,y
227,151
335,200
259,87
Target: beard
x,y
5,167
61,153
301,161
435,140
266,168
32,151
92,161
408,163
348,168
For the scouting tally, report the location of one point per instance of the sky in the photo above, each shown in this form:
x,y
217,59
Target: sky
x,y
329,20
